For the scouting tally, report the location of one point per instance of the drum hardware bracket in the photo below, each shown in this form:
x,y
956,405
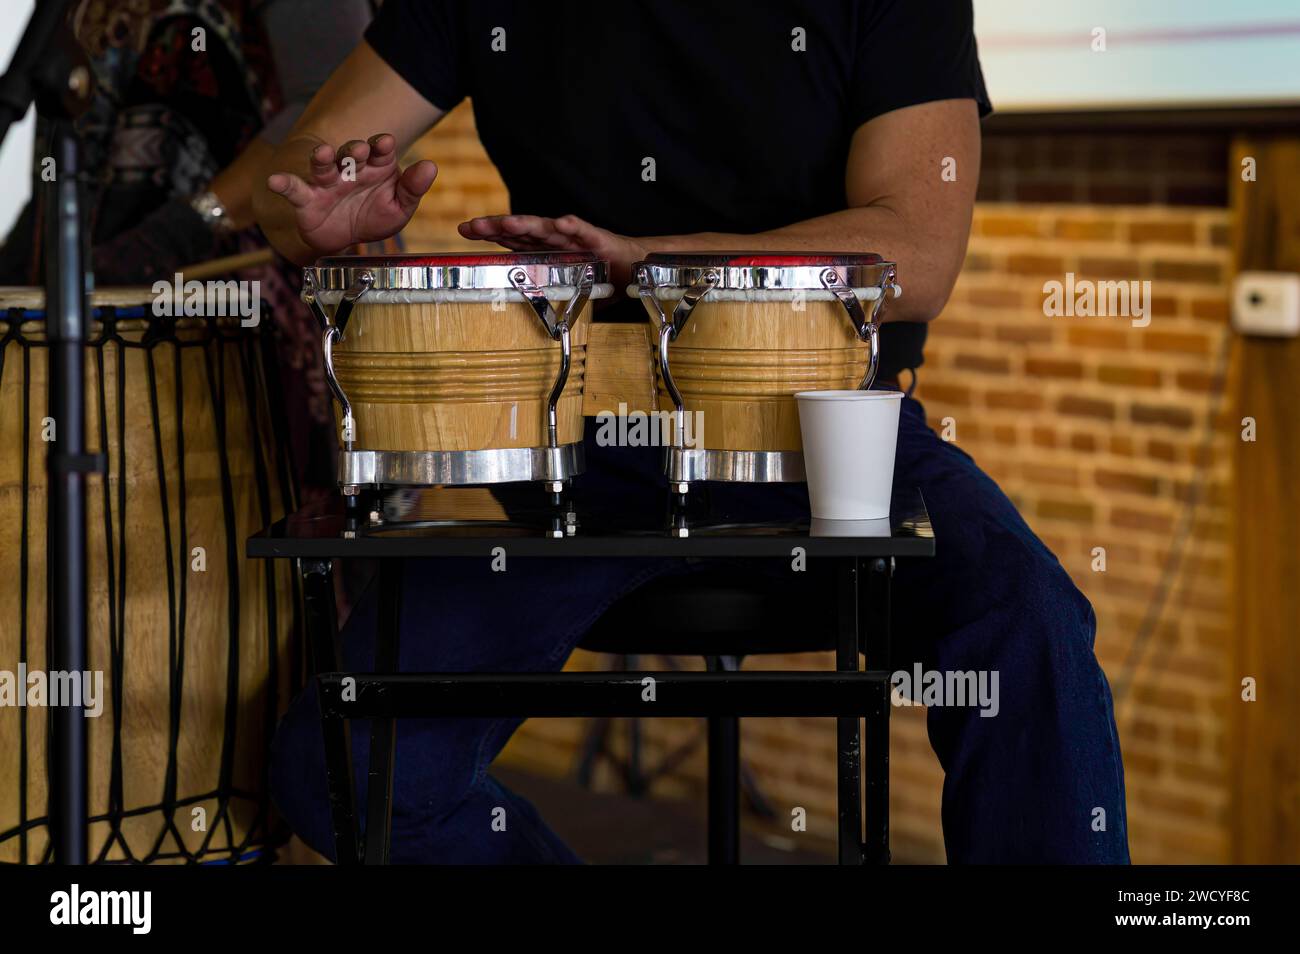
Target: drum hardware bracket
x,y
685,305
363,283
333,331
868,329
551,465
669,329
686,465
559,330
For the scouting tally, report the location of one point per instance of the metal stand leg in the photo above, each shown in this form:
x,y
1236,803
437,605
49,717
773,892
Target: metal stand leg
x,y
322,636
636,780
878,575
383,732
724,780
848,728
593,747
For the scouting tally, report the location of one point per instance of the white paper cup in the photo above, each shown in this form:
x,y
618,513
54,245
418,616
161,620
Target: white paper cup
x,y
849,439
850,528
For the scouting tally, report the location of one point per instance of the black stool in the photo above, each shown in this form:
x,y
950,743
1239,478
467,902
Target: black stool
x,y
724,617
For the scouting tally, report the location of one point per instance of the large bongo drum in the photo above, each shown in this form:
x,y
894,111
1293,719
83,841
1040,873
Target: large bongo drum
x,y
456,369
194,642
736,335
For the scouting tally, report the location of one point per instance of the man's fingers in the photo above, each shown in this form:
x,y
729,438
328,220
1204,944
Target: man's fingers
x,y
322,155
528,225
579,231
571,225
358,150
289,186
383,150
566,243
483,227
413,183
488,226
530,233
324,170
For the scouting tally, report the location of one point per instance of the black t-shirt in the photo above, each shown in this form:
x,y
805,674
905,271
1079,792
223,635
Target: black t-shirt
x,y
660,117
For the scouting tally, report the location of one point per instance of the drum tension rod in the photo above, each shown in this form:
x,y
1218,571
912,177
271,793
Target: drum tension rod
x,y
669,329
868,329
332,332
558,328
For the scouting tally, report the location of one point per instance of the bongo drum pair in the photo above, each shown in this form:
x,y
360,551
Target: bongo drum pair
x,y
468,369
195,644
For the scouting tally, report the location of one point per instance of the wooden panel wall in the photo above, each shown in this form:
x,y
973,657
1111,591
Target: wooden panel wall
x,y
1265,734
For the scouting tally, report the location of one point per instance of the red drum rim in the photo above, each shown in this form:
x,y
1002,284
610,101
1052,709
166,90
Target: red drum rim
x,y
761,259
460,259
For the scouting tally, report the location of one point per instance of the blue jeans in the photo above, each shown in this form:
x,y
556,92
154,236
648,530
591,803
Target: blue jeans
x,y
1023,786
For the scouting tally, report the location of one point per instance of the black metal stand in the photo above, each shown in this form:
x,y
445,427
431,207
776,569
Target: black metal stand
x,y
723,695
321,622
732,623
383,732
874,635
66,310
724,779
47,70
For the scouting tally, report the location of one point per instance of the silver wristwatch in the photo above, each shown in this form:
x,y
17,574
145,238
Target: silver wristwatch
x,y
209,207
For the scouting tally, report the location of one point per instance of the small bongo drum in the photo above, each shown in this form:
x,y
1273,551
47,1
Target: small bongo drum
x,y
456,369
738,334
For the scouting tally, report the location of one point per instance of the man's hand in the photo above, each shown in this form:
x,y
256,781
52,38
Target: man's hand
x,y
357,193
531,233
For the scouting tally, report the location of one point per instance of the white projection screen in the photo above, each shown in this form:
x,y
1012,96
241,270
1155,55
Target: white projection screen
x,y
1038,55
16,152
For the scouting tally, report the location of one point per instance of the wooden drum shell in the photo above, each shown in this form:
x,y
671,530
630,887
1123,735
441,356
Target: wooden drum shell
x,y
456,376
740,363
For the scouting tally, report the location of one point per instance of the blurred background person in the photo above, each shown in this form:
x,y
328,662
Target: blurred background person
x,y
191,96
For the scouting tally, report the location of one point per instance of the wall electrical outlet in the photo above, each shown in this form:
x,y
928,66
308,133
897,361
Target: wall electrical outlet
x,y
1267,303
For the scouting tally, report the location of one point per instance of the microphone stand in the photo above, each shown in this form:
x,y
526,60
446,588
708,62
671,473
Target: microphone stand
x,y
49,69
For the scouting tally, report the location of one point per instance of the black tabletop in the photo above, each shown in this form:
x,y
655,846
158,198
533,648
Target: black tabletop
x,y
663,528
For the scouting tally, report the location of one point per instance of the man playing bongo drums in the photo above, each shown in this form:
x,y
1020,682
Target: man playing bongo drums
x,y
687,125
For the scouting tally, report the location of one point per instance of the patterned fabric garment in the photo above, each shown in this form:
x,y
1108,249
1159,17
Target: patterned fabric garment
x,y
175,105
182,87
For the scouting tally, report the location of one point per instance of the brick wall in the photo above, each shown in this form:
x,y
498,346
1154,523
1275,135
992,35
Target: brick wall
x,y
1093,427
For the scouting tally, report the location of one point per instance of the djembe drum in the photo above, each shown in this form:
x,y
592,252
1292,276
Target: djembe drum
x,y
195,643
737,335
456,369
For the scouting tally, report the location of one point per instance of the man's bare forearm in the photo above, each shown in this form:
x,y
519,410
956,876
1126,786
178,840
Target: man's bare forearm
x,y
274,214
928,274
901,205
362,99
